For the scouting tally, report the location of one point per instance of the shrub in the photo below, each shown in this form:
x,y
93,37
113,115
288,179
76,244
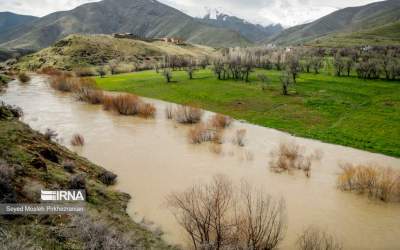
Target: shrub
x,y
216,217
96,235
51,71
289,157
202,133
9,112
167,73
315,239
89,95
69,166
240,137
31,191
50,134
108,178
19,240
77,182
7,189
23,77
188,115
77,140
220,121
84,72
146,110
101,71
64,83
377,182
126,104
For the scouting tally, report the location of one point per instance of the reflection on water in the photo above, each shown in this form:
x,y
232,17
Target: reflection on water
x,y
153,157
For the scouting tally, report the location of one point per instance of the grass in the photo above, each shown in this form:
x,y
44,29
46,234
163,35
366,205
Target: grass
x,y
340,110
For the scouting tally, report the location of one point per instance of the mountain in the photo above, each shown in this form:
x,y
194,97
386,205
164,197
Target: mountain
x,y
147,18
344,22
10,20
253,32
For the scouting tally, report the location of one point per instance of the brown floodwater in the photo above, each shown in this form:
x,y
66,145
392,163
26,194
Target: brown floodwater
x,y
152,158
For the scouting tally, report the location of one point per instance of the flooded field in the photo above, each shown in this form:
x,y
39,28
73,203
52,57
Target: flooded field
x,y
153,157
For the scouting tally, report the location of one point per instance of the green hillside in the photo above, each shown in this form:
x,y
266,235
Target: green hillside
x,y
91,50
346,25
385,35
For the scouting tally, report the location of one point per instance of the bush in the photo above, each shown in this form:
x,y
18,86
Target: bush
x,y
64,83
69,166
96,235
167,73
202,133
77,182
9,112
108,178
289,157
77,140
220,121
146,110
315,239
7,189
377,182
126,104
32,190
84,72
188,115
223,219
20,240
51,71
23,77
89,95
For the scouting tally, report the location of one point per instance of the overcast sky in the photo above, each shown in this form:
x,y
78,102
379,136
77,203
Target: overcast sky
x,y
286,12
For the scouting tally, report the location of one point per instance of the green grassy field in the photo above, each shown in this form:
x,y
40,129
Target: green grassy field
x,y
341,110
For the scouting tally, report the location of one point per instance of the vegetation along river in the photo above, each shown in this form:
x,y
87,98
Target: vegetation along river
x,y
153,158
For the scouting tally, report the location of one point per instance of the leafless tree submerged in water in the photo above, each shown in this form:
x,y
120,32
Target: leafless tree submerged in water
x,y
315,239
215,216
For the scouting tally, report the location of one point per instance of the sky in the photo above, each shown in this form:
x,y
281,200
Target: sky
x,y
286,12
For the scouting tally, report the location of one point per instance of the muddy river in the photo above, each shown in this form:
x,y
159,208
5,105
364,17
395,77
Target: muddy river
x,y
152,158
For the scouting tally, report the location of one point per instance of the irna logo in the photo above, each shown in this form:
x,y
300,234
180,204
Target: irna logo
x,y
63,195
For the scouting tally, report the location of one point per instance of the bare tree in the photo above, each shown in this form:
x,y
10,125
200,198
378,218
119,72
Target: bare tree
x,y
203,212
316,63
348,65
338,64
261,220
101,71
293,66
214,218
113,65
315,239
167,74
286,80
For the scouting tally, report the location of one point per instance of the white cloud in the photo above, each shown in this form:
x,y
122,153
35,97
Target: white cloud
x,y
286,12
40,7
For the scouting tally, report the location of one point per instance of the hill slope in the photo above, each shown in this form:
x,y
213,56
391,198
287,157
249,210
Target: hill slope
x,y
89,50
345,21
253,32
147,18
29,162
10,20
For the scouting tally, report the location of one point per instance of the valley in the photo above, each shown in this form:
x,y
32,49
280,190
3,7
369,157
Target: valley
x,y
201,132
